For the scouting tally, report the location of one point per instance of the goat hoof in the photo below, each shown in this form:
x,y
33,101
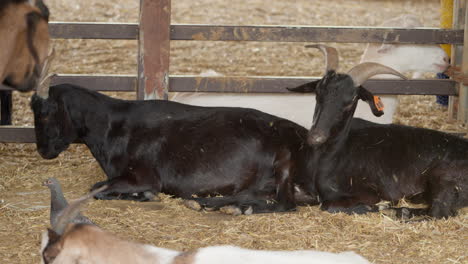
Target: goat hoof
x,y
102,196
389,212
248,211
192,205
231,210
383,206
150,196
405,213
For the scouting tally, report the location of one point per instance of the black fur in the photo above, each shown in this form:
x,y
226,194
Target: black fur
x,y
182,150
359,164
6,106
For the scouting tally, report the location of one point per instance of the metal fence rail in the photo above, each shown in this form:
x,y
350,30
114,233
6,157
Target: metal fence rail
x,y
154,33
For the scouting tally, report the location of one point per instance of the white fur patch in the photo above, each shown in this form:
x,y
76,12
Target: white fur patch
x,y
44,242
235,255
164,256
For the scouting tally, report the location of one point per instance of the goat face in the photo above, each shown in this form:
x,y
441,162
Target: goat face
x,y
335,101
337,96
53,126
26,40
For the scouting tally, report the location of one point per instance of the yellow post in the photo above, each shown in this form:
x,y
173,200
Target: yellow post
x,y
446,20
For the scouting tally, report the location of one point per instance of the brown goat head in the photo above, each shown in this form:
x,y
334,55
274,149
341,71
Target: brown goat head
x,y
25,42
53,240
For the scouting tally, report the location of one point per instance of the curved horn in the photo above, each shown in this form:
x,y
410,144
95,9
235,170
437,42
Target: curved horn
x,y
361,72
331,55
44,82
72,210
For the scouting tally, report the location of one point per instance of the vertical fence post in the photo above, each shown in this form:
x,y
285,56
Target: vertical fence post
x,y
154,49
463,90
457,51
446,22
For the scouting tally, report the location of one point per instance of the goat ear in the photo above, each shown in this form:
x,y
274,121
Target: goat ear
x,y
374,102
52,249
305,88
53,236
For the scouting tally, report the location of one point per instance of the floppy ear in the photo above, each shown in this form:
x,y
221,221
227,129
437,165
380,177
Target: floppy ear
x,y
374,102
53,247
53,236
305,88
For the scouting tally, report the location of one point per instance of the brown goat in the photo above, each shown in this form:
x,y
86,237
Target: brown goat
x,y
70,243
24,47
25,42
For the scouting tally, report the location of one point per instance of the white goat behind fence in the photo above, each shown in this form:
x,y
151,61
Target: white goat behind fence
x,y
415,58
403,58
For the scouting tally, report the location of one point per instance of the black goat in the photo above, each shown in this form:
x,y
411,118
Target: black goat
x,y
359,165
248,156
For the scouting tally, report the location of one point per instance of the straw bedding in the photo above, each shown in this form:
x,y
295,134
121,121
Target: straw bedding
x,y
167,223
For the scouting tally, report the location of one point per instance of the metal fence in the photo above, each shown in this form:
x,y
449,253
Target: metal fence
x,y
154,33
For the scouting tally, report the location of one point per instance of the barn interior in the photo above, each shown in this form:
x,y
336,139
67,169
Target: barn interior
x,y
381,238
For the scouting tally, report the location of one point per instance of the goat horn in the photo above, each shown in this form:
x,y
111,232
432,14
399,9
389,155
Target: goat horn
x,y
331,55
44,81
72,211
361,72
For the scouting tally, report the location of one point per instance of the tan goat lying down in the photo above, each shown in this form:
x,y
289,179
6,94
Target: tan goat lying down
x,y
84,243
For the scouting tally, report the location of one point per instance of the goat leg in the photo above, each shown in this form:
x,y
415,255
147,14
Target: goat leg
x,y
447,188
245,203
121,189
6,107
362,204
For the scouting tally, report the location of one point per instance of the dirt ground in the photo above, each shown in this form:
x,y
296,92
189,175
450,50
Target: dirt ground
x,y
24,211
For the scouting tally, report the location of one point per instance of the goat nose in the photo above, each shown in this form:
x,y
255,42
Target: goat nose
x,y
316,138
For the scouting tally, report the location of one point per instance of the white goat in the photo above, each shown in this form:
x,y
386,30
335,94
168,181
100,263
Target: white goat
x,y
300,108
415,58
70,243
